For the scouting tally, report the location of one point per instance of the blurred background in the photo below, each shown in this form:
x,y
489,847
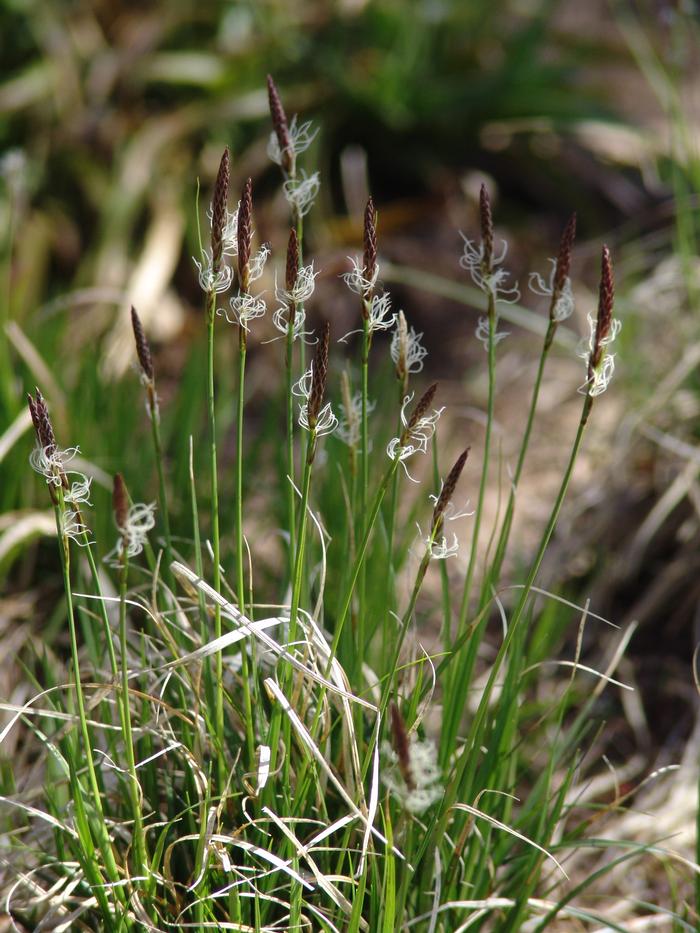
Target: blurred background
x,y
113,116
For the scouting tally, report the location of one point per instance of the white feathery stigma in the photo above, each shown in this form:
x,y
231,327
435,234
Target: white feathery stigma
x,y
406,347
425,775
603,373
229,234
564,305
417,441
244,309
301,192
491,282
140,519
210,281
326,421
301,136
355,279
51,462
350,419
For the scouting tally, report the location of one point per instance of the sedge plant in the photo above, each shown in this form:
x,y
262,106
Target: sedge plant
x,y
283,757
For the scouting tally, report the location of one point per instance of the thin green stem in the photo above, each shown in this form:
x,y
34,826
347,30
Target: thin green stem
x,y
473,556
162,494
460,675
216,576
240,548
501,547
364,477
105,844
299,555
291,494
132,778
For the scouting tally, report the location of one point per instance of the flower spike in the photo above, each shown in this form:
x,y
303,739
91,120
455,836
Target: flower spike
x,y
219,211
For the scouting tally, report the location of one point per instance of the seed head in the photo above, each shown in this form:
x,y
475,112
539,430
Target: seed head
x,y
563,266
219,209
369,257
120,502
42,422
422,406
319,377
606,299
399,740
35,415
280,126
245,234
143,350
448,489
486,219
292,271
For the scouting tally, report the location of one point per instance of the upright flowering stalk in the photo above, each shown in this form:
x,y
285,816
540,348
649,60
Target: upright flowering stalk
x,y
148,380
435,548
484,266
291,280
407,352
67,496
317,419
245,308
600,361
561,305
287,141
219,281
362,280
603,331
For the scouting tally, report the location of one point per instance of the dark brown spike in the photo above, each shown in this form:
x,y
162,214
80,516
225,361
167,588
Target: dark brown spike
x,y
292,270
319,376
448,488
219,208
369,263
606,300
35,417
120,501
143,350
399,740
486,219
47,438
280,125
563,267
245,235
422,406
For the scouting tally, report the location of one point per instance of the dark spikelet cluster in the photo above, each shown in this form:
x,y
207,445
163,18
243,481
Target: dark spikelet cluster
x,y
399,741
143,350
448,489
292,269
486,220
42,422
369,263
319,377
606,300
35,415
120,501
219,207
245,234
280,125
422,406
566,244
